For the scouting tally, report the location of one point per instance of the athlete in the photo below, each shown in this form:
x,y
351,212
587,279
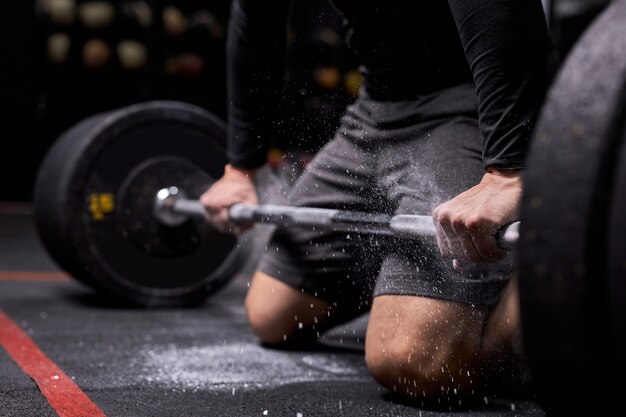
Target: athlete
x,y
441,126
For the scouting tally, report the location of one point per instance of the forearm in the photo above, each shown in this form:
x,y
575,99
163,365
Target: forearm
x,y
507,46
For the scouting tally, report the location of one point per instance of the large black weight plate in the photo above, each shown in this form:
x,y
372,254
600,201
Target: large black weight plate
x,y
570,188
50,191
94,196
617,267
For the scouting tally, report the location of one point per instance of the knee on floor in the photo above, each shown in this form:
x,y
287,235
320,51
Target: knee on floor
x,y
273,326
279,314
421,371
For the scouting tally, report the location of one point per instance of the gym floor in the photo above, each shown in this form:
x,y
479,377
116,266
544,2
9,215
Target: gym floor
x,y
103,358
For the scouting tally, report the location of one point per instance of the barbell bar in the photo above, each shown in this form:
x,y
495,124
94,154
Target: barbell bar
x,y
173,209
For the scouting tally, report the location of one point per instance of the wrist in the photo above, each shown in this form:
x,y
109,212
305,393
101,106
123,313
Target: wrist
x,y
507,178
248,173
509,173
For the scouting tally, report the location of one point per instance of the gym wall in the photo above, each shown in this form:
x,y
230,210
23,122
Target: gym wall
x,y
69,59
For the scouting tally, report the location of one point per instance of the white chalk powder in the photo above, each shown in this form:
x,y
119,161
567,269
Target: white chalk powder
x,y
241,365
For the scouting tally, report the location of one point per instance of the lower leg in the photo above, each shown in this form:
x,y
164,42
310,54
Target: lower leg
x,y
502,344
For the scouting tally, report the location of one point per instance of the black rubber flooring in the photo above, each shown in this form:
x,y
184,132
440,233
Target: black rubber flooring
x,y
193,362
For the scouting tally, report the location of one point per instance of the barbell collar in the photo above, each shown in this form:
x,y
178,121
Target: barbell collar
x,y
165,211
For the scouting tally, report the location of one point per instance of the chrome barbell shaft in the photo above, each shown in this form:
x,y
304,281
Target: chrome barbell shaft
x,y
173,210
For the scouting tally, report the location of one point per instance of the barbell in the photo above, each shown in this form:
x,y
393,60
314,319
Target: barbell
x,y
173,209
116,205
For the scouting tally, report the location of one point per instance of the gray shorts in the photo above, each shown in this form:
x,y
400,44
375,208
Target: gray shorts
x,y
388,157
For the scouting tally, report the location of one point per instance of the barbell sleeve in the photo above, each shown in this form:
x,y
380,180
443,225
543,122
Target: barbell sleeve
x,y
189,207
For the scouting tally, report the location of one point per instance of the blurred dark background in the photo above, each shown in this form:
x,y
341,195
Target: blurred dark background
x,y
63,60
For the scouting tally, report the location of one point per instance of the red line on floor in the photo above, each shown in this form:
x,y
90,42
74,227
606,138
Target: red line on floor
x,y
62,393
33,276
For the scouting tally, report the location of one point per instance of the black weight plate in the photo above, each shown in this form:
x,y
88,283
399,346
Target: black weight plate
x,y
563,248
106,193
617,268
49,197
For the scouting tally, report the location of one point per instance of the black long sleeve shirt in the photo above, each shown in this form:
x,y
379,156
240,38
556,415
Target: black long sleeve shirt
x,y
407,48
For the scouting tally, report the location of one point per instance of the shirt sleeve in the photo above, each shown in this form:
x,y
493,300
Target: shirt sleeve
x,y
255,51
507,45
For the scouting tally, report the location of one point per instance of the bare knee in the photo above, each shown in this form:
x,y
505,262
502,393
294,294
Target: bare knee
x,y
268,324
423,372
398,367
278,313
420,358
